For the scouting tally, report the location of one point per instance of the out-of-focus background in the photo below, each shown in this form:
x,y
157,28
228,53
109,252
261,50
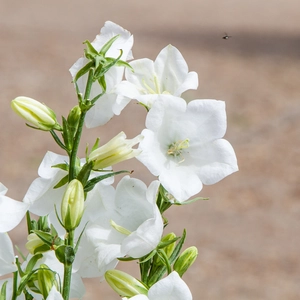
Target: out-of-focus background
x,y
248,232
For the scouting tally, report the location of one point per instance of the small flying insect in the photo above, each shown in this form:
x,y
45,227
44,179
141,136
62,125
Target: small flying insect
x,y
226,36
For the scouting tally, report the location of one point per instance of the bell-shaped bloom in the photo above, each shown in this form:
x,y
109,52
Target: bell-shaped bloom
x,y
11,211
37,114
41,195
125,221
183,145
168,74
106,107
116,150
171,287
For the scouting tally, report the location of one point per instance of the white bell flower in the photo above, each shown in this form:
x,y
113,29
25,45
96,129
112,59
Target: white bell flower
x,y
183,145
11,211
168,74
106,107
128,223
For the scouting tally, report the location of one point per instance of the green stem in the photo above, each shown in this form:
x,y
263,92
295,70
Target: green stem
x,y
72,170
15,285
68,268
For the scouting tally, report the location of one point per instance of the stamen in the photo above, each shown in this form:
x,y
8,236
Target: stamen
x,y
119,228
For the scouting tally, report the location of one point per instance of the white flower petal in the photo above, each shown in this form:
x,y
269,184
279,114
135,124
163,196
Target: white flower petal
x,y
54,294
181,182
215,161
172,71
7,256
170,288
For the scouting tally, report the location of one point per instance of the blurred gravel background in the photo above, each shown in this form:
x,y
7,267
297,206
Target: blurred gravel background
x,y
248,233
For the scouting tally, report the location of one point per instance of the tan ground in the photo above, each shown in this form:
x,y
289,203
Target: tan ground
x,y
248,233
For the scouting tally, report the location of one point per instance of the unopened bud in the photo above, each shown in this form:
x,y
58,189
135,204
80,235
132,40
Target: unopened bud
x,y
124,284
37,114
72,205
185,260
74,116
34,242
46,280
116,150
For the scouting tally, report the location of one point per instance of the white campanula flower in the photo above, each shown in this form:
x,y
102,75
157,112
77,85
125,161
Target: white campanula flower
x,y
168,74
183,145
170,287
11,211
41,195
106,107
123,221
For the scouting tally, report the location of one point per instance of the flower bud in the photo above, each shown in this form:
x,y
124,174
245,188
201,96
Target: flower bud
x,y
72,205
74,116
185,260
124,284
36,113
34,242
46,280
116,150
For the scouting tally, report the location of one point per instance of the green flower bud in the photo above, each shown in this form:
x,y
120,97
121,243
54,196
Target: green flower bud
x,y
72,205
36,113
46,279
124,284
74,116
116,150
185,260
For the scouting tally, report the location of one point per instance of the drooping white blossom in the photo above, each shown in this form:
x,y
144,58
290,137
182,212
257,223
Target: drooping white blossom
x,y
106,107
11,211
168,74
183,145
171,287
124,221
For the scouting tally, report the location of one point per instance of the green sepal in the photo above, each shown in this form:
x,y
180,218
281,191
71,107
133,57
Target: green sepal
x,y
32,262
67,135
85,172
80,236
24,281
84,70
90,52
167,243
62,182
3,291
65,254
190,201
106,46
157,273
63,166
92,182
48,239
43,248
102,83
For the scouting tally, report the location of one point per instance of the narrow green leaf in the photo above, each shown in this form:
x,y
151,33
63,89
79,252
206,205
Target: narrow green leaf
x,y
106,47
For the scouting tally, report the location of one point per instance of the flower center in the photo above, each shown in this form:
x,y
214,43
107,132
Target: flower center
x,y
176,148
